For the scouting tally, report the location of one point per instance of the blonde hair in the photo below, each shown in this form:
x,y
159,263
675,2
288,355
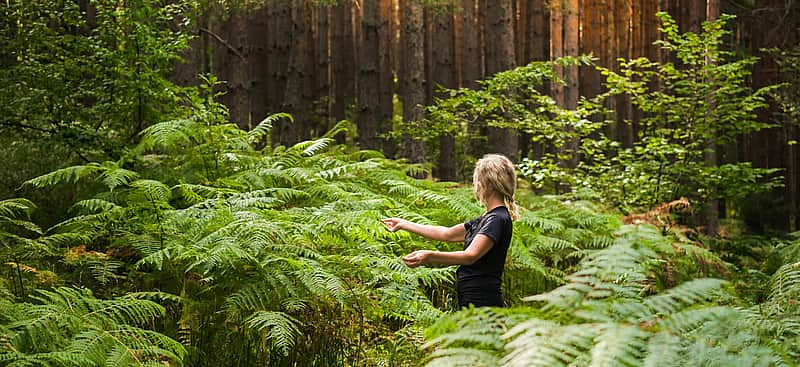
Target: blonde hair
x,y
495,175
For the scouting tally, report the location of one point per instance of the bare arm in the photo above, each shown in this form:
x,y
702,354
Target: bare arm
x,y
455,233
479,247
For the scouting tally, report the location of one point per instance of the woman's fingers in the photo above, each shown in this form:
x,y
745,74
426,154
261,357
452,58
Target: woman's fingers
x,y
415,258
391,224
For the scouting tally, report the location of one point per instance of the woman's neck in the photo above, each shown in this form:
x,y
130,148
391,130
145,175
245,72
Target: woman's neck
x,y
493,202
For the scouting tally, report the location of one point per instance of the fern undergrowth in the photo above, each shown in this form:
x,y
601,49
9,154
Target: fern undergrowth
x,y
215,248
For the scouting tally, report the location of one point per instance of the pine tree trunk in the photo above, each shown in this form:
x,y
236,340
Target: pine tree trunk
x,y
237,78
368,85
279,53
324,65
443,53
624,109
343,52
520,31
608,60
571,92
413,83
537,49
500,57
792,160
697,13
296,100
557,47
387,52
537,45
258,59
710,153
468,45
592,19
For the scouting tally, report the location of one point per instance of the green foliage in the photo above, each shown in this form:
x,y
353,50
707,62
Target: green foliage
x,y
205,212
69,327
684,108
687,107
80,80
608,314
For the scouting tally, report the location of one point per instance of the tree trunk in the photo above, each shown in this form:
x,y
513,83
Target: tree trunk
x,y
258,59
368,85
388,50
537,48
792,174
592,19
235,68
500,57
537,45
710,153
443,53
520,31
622,17
279,53
557,47
611,51
324,65
413,83
342,50
296,99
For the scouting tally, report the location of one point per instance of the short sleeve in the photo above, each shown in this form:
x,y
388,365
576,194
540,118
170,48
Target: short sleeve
x,y
492,227
470,226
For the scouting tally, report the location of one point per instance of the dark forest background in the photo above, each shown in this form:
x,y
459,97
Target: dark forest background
x,y
324,62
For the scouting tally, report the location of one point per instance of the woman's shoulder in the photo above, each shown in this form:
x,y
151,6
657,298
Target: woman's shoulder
x,y
500,212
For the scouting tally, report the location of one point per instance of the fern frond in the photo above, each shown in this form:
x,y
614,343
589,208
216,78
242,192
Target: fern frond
x,y
785,284
684,295
65,175
281,328
168,134
16,207
265,126
335,172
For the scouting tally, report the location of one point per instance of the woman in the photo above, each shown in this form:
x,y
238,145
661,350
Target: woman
x,y
486,238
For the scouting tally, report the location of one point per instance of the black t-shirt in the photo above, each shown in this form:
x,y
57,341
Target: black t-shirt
x,y
485,274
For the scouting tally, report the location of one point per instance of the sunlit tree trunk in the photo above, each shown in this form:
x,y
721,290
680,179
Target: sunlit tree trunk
x,y
557,46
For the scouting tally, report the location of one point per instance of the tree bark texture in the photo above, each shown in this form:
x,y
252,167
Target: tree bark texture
x,y
444,75
369,78
413,66
710,153
500,57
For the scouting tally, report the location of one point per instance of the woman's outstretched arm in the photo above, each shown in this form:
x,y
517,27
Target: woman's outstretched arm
x,y
479,247
455,233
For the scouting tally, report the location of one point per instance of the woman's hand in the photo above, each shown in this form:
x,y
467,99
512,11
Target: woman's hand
x,y
417,258
394,224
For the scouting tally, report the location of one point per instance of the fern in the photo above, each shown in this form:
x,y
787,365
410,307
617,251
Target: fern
x,y
281,329
603,316
68,326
